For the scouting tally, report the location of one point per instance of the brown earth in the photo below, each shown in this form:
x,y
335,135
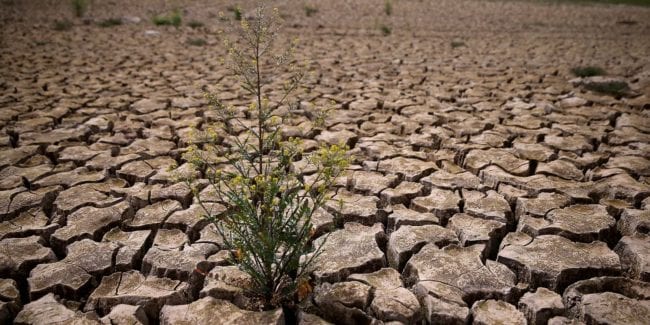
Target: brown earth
x,y
489,186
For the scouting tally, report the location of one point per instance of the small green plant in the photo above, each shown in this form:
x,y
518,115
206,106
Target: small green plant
x,y
310,10
196,42
588,71
456,44
173,19
236,10
195,24
269,205
62,25
388,7
385,30
613,88
110,22
79,7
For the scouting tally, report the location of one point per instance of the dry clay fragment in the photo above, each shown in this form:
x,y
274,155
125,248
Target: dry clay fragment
x,y
72,276
555,262
209,310
488,312
48,310
462,268
19,255
362,253
609,300
133,288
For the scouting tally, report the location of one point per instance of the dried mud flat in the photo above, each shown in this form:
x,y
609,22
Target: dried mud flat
x,y
488,186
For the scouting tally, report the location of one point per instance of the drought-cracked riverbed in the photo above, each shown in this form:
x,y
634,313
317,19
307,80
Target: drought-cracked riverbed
x,y
488,184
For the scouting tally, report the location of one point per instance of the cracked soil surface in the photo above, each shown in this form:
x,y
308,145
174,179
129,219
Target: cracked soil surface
x,y
489,186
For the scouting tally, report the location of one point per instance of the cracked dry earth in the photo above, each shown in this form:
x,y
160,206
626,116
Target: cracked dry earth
x,y
488,186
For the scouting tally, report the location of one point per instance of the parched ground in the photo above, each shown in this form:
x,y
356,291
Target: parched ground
x,y
488,185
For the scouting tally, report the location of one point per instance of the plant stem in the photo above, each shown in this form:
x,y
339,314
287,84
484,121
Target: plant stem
x,y
259,102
